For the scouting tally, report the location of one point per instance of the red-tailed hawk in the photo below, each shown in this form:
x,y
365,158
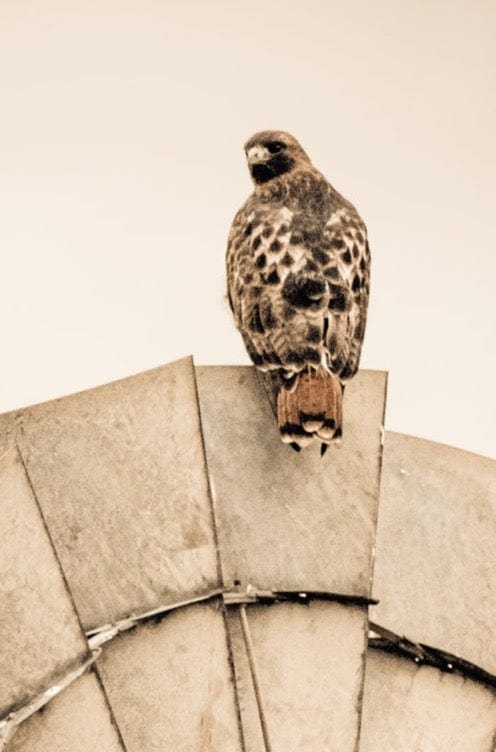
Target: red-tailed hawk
x,y
298,285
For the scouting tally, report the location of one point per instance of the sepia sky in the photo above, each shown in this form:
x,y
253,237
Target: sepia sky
x,y
121,167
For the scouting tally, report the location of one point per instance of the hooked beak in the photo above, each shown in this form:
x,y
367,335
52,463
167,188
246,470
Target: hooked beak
x,y
257,155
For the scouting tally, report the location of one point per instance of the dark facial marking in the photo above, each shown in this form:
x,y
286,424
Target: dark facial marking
x,y
359,237
260,261
337,243
283,229
279,164
248,228
355,250
355,285
275,246
256,242
362,265
287,259
346,256
267,231
274,147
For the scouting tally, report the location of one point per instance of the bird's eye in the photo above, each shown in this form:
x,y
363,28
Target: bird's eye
x,y
275,147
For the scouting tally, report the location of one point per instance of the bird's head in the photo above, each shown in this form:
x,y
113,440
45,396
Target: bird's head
x,y
273,153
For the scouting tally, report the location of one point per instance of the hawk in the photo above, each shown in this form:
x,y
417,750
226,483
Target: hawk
x,y
298,267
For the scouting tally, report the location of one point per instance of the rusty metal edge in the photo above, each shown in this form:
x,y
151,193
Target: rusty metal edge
x,y
426,655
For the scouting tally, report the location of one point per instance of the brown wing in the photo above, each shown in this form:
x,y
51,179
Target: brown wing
x,y
292,284
348,276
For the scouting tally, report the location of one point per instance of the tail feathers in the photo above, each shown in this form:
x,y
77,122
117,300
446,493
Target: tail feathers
x,y
312,410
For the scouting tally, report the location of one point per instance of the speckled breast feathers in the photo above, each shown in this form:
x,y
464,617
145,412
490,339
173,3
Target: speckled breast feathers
x,y
298,270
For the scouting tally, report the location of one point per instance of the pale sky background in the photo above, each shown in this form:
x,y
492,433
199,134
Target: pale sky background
x,y
121,167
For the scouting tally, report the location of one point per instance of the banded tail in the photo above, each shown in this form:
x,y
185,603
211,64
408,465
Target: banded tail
x,y
313,409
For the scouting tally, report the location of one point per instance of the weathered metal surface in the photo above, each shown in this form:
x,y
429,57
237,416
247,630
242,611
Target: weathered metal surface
x,y
436,555
77,720
119,472
309,664
40,635
291,521
407,707
170,685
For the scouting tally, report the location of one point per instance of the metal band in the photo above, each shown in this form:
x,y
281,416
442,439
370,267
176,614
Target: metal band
x,y
426,655
9,724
